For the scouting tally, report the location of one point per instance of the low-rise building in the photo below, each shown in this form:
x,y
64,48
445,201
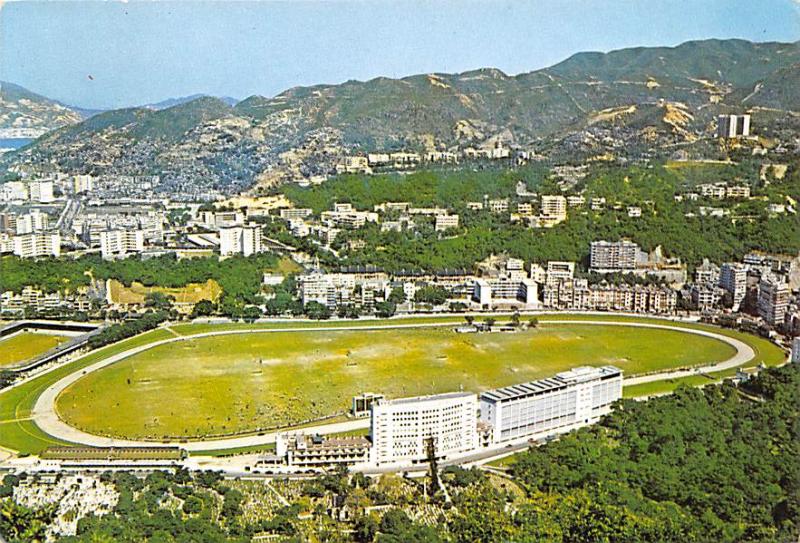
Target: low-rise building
x,y
290,213
578,295
353,164
445,222
554,207
634,211
319,451
499,205
705,296
707,272
506,291
345,216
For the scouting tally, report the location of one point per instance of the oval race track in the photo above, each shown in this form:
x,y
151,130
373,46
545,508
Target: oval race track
x,y
45,416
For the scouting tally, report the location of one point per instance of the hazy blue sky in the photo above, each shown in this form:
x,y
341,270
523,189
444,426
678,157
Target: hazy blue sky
x,y
113,54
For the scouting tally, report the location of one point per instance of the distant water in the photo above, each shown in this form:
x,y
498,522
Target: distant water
x,y
14,143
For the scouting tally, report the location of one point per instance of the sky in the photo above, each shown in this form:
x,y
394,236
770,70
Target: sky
x,y
115,54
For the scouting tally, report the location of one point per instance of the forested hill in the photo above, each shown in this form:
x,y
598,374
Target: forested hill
x,y
716,465
641,96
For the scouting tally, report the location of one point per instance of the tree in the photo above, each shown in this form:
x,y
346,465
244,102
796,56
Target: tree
x,y
431,295
20,523
348,311
317,311
397,296
458,307
470,319
251,313
515,320
490,321
395,521
365,528
158,300
533,322
385,310
231,307
203,308
192,505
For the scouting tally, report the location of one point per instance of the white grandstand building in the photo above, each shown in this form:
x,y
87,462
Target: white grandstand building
x,y
401,428
566,401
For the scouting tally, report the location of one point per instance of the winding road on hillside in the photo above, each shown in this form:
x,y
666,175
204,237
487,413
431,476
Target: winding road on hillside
x,y
45,416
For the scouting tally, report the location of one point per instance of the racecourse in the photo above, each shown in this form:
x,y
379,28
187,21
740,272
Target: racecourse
x,y
17,348
47,418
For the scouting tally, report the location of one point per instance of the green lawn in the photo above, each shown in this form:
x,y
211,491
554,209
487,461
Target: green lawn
x,y
17,432
26,345
245,382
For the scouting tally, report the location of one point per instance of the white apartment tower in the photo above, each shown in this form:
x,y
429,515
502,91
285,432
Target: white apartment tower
x,y
613,255
733,278
773,299
401,428
121,243
733,126
36,245
240,240
82,183
568,400
41,191
35,221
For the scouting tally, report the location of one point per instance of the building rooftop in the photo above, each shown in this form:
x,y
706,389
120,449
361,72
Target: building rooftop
x,y
431,398
561,380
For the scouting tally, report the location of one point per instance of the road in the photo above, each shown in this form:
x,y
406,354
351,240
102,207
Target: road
x,y
45,416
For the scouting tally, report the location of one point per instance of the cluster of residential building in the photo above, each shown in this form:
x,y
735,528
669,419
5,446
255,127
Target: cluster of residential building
x,y
760,285
408,432
403,160
27,231
498,284
48,302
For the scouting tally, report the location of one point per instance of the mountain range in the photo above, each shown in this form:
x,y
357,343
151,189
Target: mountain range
x,y
633,96
26,114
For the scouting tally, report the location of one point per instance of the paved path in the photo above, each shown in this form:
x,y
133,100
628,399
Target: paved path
x,y
45,416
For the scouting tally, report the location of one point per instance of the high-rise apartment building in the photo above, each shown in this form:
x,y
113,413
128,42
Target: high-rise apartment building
x,y
733,278
613,255
121,243
240,240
